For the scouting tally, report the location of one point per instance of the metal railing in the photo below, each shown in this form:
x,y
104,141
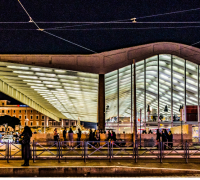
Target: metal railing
x,y
83,150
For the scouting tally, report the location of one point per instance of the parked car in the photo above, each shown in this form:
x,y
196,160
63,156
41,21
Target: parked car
x,y
7,138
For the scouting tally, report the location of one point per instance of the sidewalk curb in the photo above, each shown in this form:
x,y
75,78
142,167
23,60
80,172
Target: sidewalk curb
x,y
94,171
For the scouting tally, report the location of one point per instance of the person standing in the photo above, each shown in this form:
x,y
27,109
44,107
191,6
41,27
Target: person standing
x,y
79,137
64,134
158,137
98,137
55,134
170,139
26,152
70,135
90,137
164,138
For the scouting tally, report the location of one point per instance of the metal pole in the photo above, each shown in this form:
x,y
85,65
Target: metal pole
x,y
33,152
160,152
131,98
182,134
158,91
145,94
186,159
59,151
135,151
84,151
110,150
198,107
140,128
185,104
135,110
8,152
171,91
118,99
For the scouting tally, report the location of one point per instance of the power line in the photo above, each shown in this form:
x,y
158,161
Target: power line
x,y
99,29
87,24
69,41
175,12
68,22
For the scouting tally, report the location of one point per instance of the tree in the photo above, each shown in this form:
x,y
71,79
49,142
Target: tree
x,y
11,121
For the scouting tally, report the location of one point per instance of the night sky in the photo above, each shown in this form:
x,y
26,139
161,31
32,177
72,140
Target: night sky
x,y
24,38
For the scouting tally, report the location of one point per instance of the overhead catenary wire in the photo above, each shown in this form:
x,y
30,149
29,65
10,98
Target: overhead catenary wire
x,y
155,15
102,29
69,41
114,22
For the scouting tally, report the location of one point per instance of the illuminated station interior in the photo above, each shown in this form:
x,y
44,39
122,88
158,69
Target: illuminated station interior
x,y
165,85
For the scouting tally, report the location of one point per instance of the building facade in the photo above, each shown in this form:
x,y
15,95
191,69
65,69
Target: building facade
x,y
29,116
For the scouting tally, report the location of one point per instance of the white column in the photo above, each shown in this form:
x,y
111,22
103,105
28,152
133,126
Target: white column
x,y
47,121
62,123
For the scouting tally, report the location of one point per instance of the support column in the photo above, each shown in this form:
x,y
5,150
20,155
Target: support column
x,y
101,103
198,108
171,91
135,110
145,92
47,121
62,123
158,95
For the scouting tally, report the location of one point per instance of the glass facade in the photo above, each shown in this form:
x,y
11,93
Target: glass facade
x,y
165,84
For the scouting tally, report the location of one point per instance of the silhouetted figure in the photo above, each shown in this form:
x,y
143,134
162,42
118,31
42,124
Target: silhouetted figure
x,y
164,138
55,134
98,137
64,134
170,139
150,132
90,137
109,135
158,135
70,135
114,136
79,137
26,152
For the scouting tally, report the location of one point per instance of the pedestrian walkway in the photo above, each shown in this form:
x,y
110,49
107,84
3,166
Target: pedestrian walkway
x,y
99,168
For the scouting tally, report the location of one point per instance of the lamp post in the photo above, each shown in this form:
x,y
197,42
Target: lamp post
x,y
140,128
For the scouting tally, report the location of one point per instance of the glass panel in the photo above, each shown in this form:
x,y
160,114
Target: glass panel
x,y
125,99
165,88
111,93
191,83
152,88
140,94
178,87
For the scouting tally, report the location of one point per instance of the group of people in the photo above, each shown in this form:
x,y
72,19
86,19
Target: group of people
x,y
94,137
165,137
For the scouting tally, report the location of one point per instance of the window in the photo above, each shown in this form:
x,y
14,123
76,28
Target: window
x,y
72,124
8,129
31,117
20,117
2,104
31,123
20,111
8,111
14,111
2,129
42,117
37,123
2,111
67,123
54,123
43,123
37,117
25,117
31,111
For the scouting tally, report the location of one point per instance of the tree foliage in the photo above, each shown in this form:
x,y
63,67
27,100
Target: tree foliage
x,y
11,121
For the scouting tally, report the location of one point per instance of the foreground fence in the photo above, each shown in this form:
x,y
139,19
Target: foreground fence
x,y
83,150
